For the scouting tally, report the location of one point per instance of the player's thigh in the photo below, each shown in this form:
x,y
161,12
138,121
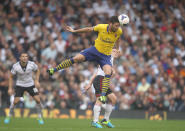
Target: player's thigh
x,y
112,98
105,63
107,69
33,91
19,91
90,54
37,98
79,58
16,100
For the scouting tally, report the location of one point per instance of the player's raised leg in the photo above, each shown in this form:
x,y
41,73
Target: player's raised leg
x,y
67,63
108,110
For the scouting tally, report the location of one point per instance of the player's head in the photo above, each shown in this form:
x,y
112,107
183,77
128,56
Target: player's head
x,y
114,23
23,57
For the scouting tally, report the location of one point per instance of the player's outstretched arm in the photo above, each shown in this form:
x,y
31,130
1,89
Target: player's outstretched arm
x,y
10,86
37,75
116,52
82,30
91,81
117,44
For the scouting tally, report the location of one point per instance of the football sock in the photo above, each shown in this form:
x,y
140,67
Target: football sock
x,y
64,64
96,110
11,110
103,106
39,110
105,84
108,111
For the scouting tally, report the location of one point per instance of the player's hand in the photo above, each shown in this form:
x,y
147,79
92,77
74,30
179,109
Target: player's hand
x,y
37,84
68,28
10,91
87,87
113,72
116,53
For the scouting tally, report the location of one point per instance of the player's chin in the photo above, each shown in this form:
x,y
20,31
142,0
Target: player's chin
x,y
114,30
25,61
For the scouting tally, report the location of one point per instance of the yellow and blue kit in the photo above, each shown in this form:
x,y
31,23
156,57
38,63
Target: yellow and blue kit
x,y
104,43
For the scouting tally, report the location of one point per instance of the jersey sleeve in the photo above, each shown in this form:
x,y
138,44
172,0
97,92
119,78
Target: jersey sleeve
x,y
97,27
120,32
13,71
35,67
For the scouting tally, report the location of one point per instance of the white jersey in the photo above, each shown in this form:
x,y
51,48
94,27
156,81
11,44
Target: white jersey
x,y
100,71
24,76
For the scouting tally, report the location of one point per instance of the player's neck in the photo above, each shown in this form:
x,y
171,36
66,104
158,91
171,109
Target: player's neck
x,y
23,63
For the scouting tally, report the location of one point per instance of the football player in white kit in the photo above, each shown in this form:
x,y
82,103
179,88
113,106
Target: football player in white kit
x,y
96,80
24,82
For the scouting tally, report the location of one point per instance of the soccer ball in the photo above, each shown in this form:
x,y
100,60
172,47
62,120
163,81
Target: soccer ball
x,y
123,19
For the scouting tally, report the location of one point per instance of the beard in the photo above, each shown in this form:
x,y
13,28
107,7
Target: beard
x,y
114,30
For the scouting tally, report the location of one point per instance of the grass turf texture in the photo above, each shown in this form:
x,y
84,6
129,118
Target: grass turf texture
x,y
30,124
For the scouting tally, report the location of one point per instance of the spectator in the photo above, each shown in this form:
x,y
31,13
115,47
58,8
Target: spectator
x,y
143,86
49,53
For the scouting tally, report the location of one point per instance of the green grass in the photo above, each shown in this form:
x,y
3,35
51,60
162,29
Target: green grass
x,y
30,124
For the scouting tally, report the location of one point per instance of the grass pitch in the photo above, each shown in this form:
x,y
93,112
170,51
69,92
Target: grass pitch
x,y
30,124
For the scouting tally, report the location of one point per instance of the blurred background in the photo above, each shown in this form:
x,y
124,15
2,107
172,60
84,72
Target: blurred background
x,y
150,74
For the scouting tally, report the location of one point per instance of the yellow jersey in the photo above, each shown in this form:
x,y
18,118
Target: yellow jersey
x,y
106,40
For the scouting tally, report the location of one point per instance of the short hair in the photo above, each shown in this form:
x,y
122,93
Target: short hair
x,y
114,19
23,52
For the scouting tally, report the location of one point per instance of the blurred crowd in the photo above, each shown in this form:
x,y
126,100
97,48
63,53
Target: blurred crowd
x,y
150,73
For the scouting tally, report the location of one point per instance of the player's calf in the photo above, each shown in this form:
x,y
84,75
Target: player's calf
x,y
64,64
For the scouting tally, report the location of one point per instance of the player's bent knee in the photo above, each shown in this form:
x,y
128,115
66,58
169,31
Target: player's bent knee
x,y
107,69
79,58
98,102
37,99
16,100
113,99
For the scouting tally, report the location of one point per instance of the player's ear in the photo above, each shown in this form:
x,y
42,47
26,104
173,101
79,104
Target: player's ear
x,y
20,56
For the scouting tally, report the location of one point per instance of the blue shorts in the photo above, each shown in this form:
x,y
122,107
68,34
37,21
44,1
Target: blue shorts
x,y
92,54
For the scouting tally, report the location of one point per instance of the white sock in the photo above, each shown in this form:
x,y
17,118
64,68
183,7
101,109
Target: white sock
x,y
103,106
96,110
39,110
108,111
11,110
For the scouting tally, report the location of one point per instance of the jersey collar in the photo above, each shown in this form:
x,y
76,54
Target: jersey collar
x,y
108,31
23,67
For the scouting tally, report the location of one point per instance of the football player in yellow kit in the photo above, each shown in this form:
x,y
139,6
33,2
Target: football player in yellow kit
x,y
108,35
